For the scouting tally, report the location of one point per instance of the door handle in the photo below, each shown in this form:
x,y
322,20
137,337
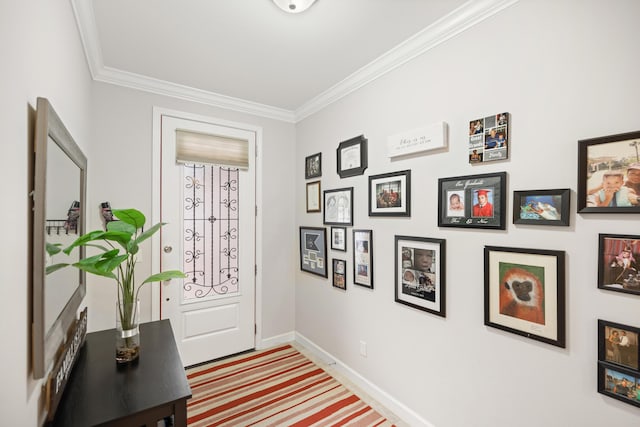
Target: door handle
x,y
167,249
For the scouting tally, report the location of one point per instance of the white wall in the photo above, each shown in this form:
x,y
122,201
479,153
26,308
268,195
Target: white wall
x,y
41,56
565,70
120,172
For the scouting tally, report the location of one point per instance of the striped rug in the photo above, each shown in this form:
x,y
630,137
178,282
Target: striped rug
x,y
274,387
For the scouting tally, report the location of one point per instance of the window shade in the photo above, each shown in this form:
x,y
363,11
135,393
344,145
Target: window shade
x,y
195,147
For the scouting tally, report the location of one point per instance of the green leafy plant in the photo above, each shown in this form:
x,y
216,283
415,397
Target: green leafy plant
x,y
118,256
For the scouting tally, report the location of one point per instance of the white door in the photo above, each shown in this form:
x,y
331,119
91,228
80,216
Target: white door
x,y
209,234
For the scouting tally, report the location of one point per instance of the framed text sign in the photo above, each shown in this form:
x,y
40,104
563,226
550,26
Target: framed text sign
x,y
427,138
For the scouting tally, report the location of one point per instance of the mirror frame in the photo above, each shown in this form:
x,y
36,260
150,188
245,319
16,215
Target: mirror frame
x,y
45,343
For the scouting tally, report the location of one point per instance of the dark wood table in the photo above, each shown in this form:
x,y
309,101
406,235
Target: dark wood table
x,y
101,392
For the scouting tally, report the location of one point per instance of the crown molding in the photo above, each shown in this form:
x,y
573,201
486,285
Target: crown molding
x,y
459,20
469,14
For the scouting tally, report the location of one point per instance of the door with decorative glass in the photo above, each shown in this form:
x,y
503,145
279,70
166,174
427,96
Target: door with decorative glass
x,y
208,202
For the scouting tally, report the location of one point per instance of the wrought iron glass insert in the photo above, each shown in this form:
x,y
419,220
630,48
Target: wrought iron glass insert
x,y
211,221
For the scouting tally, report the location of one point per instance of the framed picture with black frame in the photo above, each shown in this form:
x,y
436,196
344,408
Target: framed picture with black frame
x,y
339,238
618,265
542,207
313,250
473,201
390,194
352,157
609,174
619,383
338,206
618,344
524,292
363,258
313,166
420,273
339,273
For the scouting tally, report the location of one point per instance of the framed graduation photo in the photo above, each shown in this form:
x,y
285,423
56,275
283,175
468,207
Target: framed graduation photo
x,y
474,201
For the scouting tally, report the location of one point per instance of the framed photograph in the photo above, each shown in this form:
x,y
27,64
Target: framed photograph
x,y
420,273
618,263
390,194
313,250
339,273
618,383
477,201
338,206
609,174
524,292
489,138
363,258
313,166
339,238
542,207
352,157
313,196
618,344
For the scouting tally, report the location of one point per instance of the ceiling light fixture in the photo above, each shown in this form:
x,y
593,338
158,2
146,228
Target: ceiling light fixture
x,y
294,6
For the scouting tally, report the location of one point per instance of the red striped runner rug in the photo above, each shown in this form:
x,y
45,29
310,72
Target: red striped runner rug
x,y
273,387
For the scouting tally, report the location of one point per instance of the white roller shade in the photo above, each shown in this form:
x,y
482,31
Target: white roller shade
x,y
195,147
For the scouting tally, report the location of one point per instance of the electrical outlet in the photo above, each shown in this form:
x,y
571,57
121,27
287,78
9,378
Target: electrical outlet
x,y
363,349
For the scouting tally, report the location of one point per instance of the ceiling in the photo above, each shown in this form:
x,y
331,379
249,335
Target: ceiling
x,y
250,56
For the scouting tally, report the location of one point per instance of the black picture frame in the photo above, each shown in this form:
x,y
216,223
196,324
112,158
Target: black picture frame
x,y
524,292
339,273
611,384
390,194
616,350
338,206
313,250
467,211
618,265
420,273
542,207
363,258
352,157
615,158
339,239
313,166
313,196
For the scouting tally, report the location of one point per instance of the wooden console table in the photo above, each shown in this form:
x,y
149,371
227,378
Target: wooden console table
x,y
100,392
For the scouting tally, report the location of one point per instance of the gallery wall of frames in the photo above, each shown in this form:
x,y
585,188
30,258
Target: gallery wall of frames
x,y
524,288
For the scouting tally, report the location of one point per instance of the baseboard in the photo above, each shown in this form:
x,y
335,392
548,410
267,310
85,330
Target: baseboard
x,y
275,341
398,408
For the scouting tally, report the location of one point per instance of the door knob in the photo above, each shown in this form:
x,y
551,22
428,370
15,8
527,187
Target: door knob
x,y
167,249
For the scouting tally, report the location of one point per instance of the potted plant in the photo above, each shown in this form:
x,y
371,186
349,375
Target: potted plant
x,y
117,260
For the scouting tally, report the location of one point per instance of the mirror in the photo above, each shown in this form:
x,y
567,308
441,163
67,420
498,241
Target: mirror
x,y
58,219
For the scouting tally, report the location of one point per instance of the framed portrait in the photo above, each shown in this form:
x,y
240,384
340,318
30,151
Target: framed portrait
x,y
390,194
352,157
618,263
618,344
619,383
609,174
339,238
313,196
313,166
338,206
477,201
313,250
542,207
489,138
420,273
363,258
339,273
524,292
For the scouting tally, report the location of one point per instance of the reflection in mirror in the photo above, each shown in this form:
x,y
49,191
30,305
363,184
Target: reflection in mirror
x,y
58,219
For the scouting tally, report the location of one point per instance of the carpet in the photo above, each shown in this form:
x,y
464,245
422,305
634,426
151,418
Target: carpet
x,y
273,387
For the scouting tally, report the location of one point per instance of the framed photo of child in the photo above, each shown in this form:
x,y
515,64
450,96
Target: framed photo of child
x,y
618,263
609,174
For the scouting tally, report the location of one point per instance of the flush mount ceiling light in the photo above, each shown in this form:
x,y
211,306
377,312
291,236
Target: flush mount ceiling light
x,y
294,6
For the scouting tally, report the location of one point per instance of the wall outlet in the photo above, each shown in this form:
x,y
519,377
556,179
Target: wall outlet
x,y
363,349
